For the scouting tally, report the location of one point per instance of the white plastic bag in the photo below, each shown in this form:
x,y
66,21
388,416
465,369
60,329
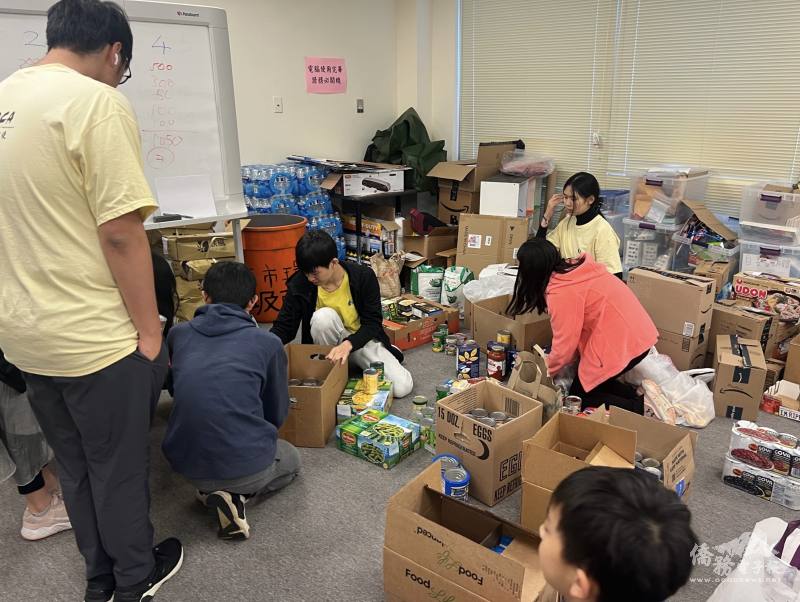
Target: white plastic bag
x,y
489,287
761,576
455,278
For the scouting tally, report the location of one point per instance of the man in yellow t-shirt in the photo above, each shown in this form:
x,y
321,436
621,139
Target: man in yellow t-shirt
x,y
77,306
338,303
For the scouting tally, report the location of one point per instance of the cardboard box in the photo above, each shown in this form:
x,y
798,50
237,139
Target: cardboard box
x,y
783,398
450,543
354,399
155,236
792,371
509,196
562,445
492,455
720,271
420,331
312,413
194,269
214,245
671,445
677,303
740,375
534,505
459,181
378,437
775,370
379,178
746,322
527,330
439,239
485,240
686,352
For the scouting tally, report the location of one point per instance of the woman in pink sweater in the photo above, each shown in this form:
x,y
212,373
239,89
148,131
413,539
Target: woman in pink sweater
x,y
595,317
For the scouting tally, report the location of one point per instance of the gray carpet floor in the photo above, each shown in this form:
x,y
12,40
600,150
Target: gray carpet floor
x,y
322,537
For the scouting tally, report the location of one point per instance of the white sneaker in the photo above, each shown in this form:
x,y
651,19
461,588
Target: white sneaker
x,y
49,522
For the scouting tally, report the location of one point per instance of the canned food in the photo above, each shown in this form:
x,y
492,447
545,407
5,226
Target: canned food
x,y
752,446
479,413
768,431
504,337
651,463
572,404
461,338
656,472
749,479
795,468
447,462
782,458
788,440
310,382
295,382
442,391
488,421
427,433
498,416
438,341
451,345
455,483
370,381
379,367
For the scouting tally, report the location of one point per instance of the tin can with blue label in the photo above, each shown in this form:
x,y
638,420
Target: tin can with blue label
x,y
468,361
455,483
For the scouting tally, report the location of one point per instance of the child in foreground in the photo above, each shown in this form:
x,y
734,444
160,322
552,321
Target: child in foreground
x,y
615,535
231,397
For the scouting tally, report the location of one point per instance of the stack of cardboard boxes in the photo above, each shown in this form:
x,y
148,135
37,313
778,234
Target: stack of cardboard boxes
x,y
485,240
740,375
191,252
681,308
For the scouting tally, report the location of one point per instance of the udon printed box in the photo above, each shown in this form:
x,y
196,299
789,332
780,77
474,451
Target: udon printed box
x,y
378,437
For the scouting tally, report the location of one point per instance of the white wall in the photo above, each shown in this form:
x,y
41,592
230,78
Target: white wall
x,y
269,40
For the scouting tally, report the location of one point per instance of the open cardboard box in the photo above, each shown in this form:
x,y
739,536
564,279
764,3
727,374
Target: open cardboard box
x,y
671,445
439,239
492,455
460,181
728,317
527,330
419,332
787,394
450,544
312,413
530,378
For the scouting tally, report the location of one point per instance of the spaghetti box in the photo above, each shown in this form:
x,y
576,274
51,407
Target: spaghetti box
x,y
378,437
677,302
312,412
440,548
740,375
491,454
355,399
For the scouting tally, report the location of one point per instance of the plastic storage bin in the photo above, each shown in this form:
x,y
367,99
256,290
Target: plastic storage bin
x,y
777,259
771,210
686,255
656,193
615,201
648,245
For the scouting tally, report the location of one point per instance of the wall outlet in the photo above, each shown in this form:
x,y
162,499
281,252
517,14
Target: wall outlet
x,y
277,104
359,105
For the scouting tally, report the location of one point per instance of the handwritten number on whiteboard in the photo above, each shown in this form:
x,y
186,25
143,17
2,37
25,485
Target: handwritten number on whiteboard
x,y
160,43
30,39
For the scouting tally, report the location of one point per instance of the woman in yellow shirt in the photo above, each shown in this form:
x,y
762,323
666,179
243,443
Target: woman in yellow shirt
x,y
583,229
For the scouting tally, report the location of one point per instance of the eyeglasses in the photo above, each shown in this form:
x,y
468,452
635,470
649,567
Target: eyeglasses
x,y
126,76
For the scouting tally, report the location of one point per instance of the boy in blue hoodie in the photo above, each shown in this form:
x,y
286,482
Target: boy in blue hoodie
x,y
231,397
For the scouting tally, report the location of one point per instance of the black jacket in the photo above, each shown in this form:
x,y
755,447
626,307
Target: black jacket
x,y
11,375
300,304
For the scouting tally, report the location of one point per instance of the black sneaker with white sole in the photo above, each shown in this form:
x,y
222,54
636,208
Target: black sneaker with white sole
x,y
229,508
99,589
169,558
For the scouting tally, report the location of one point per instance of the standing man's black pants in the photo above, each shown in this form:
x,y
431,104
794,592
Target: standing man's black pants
x,y
98,426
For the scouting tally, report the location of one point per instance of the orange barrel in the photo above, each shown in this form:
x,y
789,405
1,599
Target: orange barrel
x,y
268,242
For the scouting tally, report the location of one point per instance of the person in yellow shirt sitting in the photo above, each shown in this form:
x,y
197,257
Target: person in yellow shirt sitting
x,y
338,303
582,229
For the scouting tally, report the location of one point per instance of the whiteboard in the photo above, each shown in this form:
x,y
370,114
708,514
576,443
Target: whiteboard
x,y
181,87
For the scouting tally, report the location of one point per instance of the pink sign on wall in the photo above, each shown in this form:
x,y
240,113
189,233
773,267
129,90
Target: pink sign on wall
x,y
325,75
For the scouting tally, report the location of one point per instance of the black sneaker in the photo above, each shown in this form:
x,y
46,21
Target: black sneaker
x,y
169,558
229,509
99,589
